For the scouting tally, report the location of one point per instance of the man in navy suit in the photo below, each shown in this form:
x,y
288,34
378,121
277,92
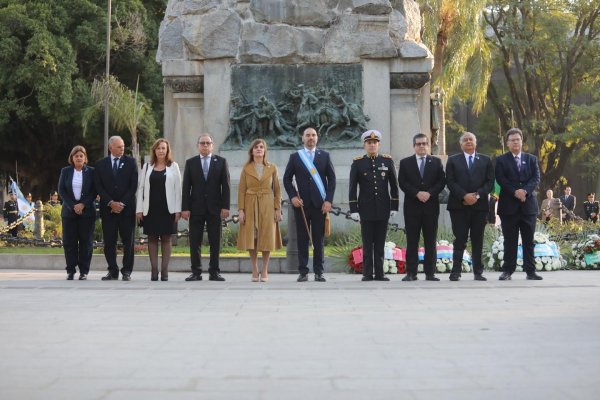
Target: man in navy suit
x,y
421,178
518,175
116,179
205,201
569,201
470,178
313,195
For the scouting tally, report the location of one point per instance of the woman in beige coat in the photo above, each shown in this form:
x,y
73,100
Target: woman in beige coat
x,y
259,209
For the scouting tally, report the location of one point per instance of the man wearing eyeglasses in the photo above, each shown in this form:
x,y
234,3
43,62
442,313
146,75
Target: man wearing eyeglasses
x,y
518,175
205,201
421,178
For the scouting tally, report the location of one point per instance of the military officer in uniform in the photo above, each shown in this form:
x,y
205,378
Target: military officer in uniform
x,y
591,208
11,212
376,202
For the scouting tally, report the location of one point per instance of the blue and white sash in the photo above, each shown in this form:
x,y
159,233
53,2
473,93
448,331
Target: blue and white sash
x,y
312,170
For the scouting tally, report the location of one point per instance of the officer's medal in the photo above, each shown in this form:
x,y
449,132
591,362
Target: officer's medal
x,y
383,168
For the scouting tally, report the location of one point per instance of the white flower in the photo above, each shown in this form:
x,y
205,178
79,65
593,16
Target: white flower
x,y
441,268
501,255
520,261
393,270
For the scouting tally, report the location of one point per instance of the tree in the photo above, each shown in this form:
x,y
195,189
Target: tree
x,y
546,51
51,52
128,110
462,63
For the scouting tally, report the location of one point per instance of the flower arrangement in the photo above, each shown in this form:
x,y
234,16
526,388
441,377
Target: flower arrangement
x,y
586,252
444,263
546,252
393,263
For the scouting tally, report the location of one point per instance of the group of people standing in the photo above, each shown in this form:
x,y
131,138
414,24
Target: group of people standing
x,y
562,208
159,197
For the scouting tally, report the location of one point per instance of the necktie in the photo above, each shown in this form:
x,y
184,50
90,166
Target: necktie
x,y
422,167
115,166
205,167
311,155
518,163
470,162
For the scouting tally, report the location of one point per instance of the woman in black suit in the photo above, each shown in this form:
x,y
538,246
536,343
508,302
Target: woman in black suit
x,y
76,188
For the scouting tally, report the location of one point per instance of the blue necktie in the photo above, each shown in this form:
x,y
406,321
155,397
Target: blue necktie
x,y
422,167
518,163
470,162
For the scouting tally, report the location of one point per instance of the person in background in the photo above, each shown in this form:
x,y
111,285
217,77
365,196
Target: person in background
x,y
54,199
591,208
550,208
29,199
259,209
158,205
11,213
569,202
77,189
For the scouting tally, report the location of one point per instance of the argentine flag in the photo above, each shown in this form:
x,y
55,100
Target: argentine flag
x,y
23,204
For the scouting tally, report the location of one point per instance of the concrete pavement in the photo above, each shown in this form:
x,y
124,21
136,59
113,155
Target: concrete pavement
x,y
342,339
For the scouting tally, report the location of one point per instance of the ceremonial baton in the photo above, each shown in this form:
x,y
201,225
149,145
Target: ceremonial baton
x,y
304,218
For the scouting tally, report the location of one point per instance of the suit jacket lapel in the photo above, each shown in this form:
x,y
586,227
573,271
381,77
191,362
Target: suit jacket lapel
x,y
251,170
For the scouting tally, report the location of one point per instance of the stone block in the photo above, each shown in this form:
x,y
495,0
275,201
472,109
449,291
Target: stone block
x,y
280,43
212,35
412,15
372,7
317,13
411,49
171,44
194,7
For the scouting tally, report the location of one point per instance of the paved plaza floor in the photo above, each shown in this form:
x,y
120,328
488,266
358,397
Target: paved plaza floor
x,y
342,339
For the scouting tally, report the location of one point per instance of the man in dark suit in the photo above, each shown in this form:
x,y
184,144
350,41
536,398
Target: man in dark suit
x,y
470,178
421,178
375,203
518,175
205,200
568,201
311,199
116,182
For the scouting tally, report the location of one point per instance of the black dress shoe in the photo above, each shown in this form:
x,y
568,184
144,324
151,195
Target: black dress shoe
x,y
154,278
454,277
382,278
164,278
194,277
367,278
70,276
216,277
534,277
320,278
83,277
409,278
302,278
109,277
479,277
505,276
432,278
126,277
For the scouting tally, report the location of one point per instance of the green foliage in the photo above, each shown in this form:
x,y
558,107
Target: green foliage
x,y
51,51
52,222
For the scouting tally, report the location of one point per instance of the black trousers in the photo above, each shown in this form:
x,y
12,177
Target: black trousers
x,y
511,226
417,221
373,235
316,222
465,223
213,228
113,225
78,233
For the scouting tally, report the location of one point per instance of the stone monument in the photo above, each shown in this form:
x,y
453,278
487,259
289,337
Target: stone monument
x,y
269,68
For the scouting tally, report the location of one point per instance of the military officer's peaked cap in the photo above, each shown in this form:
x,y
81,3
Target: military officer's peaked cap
x,y
371,135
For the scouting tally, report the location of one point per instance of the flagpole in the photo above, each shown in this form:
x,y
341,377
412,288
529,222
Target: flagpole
x,y
17,170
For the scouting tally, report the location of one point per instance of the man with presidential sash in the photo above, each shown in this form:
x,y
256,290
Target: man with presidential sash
x,y
373,196
311,196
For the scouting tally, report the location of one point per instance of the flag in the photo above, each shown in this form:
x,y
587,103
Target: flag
x,y
23,205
